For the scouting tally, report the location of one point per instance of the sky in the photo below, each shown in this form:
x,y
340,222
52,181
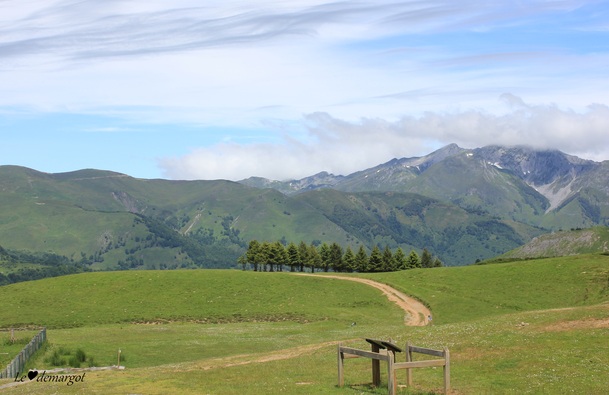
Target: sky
x,y
223,89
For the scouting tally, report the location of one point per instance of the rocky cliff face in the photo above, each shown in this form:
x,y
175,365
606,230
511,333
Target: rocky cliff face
x,y
552,173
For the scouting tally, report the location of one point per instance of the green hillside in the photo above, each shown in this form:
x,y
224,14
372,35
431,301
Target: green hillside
x,y
545,188
111,221
564,243
457,235
206,296
474,184
115,221
473,292
157,316
510,327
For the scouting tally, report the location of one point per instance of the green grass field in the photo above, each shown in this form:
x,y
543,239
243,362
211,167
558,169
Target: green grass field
x,y
537,327
458,294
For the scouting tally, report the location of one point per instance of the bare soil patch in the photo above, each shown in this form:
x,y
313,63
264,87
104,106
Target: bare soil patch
x,y
578,324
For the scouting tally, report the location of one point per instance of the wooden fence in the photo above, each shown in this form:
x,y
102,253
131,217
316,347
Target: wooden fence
x,y
17,365
386,351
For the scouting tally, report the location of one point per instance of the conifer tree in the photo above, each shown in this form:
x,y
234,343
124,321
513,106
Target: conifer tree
x,y
293,257
426,258
324,253
266,258
413,260
314,259
361,260
375,262
280,255
349,260
400,259
388,263
336,257
253,254
303,253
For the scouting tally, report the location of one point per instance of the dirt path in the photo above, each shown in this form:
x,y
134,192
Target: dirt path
x,y
416,312
416,315
246,359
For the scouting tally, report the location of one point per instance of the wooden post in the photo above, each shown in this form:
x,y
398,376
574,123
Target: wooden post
x,y
341,367
391,381
118,364
408,370
376,367
446,371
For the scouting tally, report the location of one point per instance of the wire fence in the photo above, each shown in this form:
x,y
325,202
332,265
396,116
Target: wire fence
x,y
17,365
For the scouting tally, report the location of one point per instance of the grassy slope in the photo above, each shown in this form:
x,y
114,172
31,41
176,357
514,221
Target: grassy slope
x,y
581,241
72,212
413,221
493,318
473,292
202,295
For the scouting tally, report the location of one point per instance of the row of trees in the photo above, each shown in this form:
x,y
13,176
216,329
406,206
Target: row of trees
x,y
274,256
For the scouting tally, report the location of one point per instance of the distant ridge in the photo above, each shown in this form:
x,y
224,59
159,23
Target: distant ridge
x,y
520,182
461,204
564,243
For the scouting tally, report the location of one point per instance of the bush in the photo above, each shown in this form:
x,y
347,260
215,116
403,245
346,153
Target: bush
x,y
74,362
55,359
80,355
64,351
74,359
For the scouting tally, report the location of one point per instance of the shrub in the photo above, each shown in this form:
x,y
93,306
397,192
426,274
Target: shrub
x,y
64,351
74,362
80,355
55,359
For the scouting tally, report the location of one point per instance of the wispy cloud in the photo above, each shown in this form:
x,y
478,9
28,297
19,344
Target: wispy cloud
x,y
82,29
382,78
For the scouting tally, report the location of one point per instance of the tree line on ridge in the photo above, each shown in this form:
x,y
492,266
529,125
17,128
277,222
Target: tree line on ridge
x,y
275,256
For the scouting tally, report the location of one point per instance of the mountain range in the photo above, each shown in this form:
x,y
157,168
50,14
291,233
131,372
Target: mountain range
x,y
461,204
539,187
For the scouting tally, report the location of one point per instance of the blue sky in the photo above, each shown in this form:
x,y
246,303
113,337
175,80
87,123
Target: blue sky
x,y
285,89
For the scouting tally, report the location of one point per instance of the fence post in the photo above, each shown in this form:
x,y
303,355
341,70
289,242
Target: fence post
x,y
408,370
446,370
376,367
341,367
391,382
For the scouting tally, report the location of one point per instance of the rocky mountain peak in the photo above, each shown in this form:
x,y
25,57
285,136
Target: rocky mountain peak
x,y
537,167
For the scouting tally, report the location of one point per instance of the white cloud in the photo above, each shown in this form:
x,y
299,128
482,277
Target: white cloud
x,y
342,147
379,79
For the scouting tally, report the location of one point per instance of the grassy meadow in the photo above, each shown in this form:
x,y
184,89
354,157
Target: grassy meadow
x,y
536,327
458,294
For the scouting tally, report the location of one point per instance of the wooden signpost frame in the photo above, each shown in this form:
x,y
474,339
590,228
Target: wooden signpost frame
x,y
386,351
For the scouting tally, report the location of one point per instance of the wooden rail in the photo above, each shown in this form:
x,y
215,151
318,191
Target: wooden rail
x,y
386,351
409,364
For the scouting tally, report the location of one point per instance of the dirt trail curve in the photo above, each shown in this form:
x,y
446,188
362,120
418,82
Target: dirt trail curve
x,y
416,312
416,315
